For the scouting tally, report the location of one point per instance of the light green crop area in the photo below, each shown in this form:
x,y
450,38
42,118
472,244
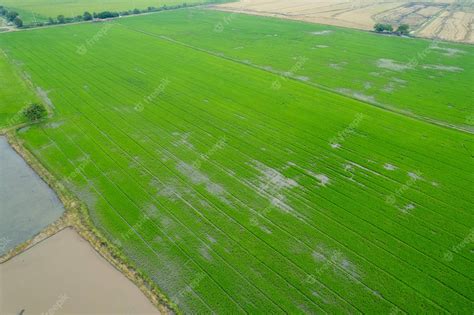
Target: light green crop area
x,y
421,78
40,10
15,94
241,191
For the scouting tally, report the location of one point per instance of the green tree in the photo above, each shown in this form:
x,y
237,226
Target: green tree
x,y
18,22
403,29
61,19
34,112
11,15
87,16
380,28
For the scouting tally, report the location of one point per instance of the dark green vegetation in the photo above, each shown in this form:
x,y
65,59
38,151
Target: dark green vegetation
x,y
239,190
380,28
34,112
403,29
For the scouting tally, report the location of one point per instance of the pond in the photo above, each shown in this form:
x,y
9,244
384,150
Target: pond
x,y
27,203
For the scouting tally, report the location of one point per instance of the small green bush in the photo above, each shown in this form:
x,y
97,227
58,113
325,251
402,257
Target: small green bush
x,y
381,28
34,112
403,29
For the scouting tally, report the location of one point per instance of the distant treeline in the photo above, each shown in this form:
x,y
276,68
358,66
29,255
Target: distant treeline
x,y
15,18
11,16
403,29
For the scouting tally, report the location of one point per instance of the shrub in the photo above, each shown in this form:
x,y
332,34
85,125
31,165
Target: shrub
x,y
106,15
380,28
403,29
11,15
18,22
34,112
87,16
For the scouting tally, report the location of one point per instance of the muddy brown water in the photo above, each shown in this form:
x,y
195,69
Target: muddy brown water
x,y
27,203
65,275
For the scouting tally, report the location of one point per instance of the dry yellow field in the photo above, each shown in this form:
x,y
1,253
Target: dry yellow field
x,y
447,20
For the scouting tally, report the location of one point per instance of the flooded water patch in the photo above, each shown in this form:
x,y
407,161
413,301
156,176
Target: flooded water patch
x,y
27,203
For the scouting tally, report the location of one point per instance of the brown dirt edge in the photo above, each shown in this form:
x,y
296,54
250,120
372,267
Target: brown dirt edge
x,y
76,216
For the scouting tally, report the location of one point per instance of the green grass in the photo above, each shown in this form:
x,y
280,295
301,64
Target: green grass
x,y
15,94
343,60
41,10
228,193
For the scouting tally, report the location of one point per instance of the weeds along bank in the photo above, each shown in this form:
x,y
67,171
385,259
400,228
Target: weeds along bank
x,y
227,183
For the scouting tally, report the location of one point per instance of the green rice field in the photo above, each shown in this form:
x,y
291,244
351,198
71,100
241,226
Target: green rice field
x,y
15,94
256,165
41,10
428,79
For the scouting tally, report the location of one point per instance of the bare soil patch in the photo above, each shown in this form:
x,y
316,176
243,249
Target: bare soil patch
x,y
65,275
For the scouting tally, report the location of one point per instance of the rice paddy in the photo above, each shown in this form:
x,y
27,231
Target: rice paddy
x,y
241,164
41,10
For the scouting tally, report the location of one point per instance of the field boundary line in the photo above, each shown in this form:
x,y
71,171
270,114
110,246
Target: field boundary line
x,y
125,193
189,6
100,195
415,232
388,108
375,245
76,216
144,214
214,205
384,176
154,198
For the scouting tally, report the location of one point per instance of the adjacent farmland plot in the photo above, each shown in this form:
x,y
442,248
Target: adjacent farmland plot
x,y
15,93
41,10
238,194
431,80
445,19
